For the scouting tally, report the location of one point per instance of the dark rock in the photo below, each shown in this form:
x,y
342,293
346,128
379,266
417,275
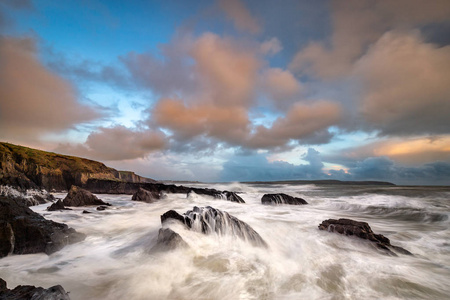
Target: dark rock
x,y
146,196
86,212
23,231
102,207
210,220
361,230
80,197
168,240
100,186
282,199
29,292
58,205
171,214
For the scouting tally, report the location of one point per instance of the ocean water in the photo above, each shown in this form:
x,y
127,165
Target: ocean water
x,y
301,262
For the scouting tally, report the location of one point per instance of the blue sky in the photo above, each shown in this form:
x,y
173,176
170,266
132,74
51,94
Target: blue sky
x,y
233,90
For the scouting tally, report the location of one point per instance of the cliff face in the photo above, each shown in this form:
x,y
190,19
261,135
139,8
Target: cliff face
x,y
28,168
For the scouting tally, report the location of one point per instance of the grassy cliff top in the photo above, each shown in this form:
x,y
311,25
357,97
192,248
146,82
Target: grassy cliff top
x,y
52,160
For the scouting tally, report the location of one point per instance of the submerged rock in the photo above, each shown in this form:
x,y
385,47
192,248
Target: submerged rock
x,y
146,196
361,230
102,207
22,292
81,197
210,220
282,199
168,240
23,231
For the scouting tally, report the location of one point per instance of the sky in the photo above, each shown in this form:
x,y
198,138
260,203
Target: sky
x,y
233,90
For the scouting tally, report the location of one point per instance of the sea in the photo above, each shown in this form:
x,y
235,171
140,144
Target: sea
x,y
300,262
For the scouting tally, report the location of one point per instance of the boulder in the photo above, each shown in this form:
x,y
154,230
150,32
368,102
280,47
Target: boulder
x,y
361,230
81,197
102,207
58,205
210,220
23,231
282,199
146,196
168,240
23,292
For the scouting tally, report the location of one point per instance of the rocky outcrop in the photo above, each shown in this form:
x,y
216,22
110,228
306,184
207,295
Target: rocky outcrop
x,y
81,197
168,240
25,292
27,168
98,186
58,205
282,199
361,230
28,197
145,196
23,231
210,220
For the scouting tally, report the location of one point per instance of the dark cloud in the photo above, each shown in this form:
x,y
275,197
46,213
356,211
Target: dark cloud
x,y
256,167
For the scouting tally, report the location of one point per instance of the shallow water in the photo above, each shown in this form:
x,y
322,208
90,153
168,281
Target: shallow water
x,y
300,263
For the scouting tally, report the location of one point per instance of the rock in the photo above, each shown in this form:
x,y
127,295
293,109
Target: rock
x,y
146,196
361,230
233,197
25,292
81,197
171,214
101,186
282,199
23,231
102,207
168,240
86,212
210,220
58,205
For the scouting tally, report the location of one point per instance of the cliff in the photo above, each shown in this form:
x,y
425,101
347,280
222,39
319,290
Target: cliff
x,y
28,168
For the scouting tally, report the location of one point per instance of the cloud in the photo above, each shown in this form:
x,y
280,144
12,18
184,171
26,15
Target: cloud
x,y
405,151
228,70
117,143
271,47
281,86
382,168
358,23
406,85
256,167
227,123
302,121
172,74
33,100
239,14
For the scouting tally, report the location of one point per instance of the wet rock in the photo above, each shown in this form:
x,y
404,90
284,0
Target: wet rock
x,y
58,205
361,230
168,240
146,196
171,214
102,207
100,186
233,197
86,212
29,292
210,220
282,199
81,197
23,231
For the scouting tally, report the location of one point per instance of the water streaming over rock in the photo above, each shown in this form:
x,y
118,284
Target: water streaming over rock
x,y
300,262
